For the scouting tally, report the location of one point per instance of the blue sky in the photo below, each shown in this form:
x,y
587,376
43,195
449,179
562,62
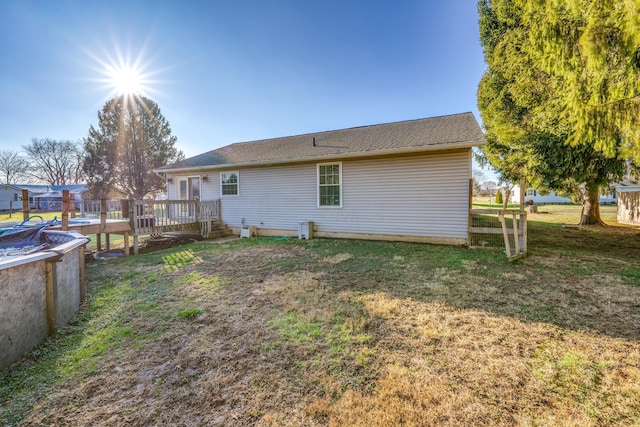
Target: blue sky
x,y
232,71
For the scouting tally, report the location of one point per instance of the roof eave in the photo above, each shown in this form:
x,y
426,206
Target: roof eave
x,y
376,153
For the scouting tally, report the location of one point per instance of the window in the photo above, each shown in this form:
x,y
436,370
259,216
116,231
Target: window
x,y
229,183
330,184
531,192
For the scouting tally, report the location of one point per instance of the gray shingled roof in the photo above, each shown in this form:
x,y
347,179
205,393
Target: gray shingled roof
x,y
436,133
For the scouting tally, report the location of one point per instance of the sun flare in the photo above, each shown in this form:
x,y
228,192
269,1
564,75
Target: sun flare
x,y
122,75
126,80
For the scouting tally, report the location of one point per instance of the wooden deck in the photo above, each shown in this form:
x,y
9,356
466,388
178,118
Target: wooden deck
x,y
95,226
130,217
149,217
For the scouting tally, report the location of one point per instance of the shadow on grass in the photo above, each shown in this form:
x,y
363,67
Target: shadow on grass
x,y
582,279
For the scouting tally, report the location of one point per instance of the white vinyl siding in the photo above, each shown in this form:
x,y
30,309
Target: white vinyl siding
x,y
423,195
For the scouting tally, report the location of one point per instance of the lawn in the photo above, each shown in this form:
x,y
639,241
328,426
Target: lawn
x,y
16,216
277,332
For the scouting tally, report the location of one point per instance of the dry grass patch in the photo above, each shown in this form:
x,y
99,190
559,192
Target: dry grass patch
x,y
326,332
457,367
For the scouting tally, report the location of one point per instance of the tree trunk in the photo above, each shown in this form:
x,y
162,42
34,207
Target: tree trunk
x,y
591,208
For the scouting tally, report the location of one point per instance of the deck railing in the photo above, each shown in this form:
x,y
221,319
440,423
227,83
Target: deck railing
x,y
92,208
156,216
150,216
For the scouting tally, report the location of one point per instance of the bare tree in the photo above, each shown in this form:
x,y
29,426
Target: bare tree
x,y
478,179
55,162
13,166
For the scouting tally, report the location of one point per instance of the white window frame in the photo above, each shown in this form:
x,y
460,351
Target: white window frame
x,y
237,184
339,164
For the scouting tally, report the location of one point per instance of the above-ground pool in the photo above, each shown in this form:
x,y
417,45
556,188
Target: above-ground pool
x,y
41,286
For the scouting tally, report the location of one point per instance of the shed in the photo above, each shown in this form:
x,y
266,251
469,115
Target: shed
x,y
628,203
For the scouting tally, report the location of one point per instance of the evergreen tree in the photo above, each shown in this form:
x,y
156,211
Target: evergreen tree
x,y
591,49
132,139
529,134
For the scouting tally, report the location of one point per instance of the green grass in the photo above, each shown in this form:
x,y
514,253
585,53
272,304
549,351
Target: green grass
x,y
631,275
189,313
345,332
16,216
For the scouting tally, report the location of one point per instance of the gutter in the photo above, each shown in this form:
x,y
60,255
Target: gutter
x,y
361,154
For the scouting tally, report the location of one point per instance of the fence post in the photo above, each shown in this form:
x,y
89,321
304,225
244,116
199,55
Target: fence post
x,y
505,233
469,214
25,204
516,235
65,210
523,227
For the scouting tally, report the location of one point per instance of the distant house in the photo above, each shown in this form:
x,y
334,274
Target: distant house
x,y
551,198
52,200
628,203
406,180
11,195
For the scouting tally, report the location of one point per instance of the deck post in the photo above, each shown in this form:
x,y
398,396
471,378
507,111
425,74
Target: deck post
x,y
72,204
103,213
25,204
133,224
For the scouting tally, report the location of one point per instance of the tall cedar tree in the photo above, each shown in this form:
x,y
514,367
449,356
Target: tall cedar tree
x,y
132,139
528,130
591,49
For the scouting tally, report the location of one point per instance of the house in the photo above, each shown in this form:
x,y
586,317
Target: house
x,y
406,180
52,200
551,198
11,195
628,203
